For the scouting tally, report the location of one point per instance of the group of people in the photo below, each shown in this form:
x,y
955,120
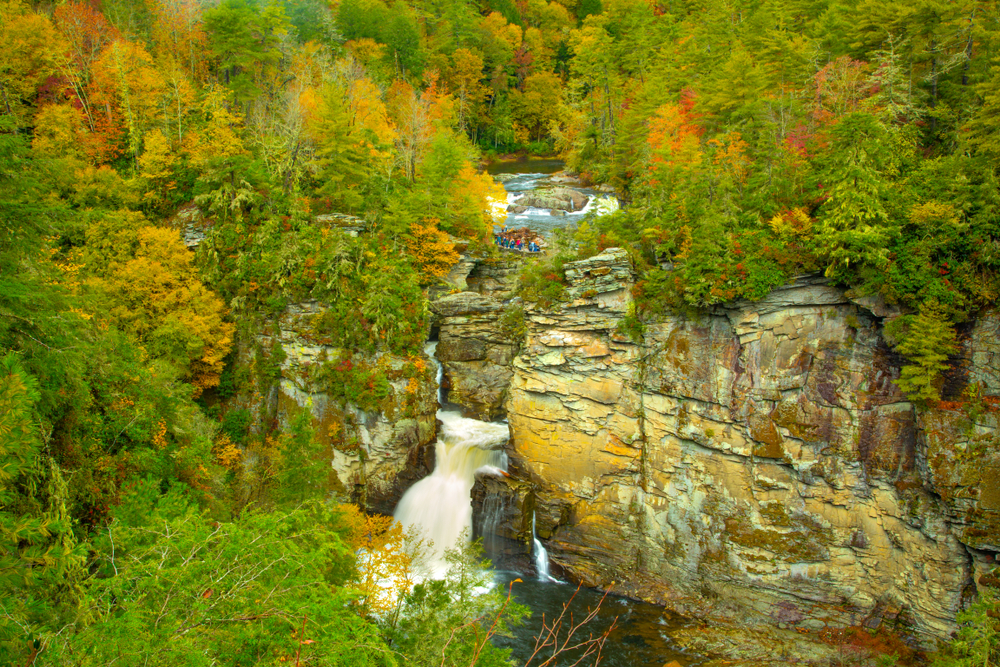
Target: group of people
x,y
517,239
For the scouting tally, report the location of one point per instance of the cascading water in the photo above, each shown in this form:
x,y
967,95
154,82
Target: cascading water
x,y
541,555
431,350
440,504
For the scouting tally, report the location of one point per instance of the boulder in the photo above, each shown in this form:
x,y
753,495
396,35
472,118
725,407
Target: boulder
x,y
558,198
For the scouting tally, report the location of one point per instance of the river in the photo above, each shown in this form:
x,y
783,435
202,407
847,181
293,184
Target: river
x,y
527,175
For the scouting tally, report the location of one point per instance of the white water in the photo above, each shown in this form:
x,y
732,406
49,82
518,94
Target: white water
x,y
541,555
541,219
441,503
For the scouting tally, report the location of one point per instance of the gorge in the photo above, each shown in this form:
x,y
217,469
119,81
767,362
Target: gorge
x,y
753,466
257,300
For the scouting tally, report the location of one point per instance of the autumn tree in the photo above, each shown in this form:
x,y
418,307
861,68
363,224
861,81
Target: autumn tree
x,y
154,293
34,54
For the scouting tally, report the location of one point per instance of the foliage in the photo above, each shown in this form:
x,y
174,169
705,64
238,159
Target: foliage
x,y
176,586
41,560
449,621
154,293
387,563
858,139
432,251
512,325
926,339
978,639
359,383
543,280
372,292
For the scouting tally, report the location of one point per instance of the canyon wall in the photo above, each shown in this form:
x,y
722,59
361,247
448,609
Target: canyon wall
x,y
381,440
756,464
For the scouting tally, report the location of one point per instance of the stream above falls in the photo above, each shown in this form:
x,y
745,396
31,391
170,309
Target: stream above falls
x,y
530,176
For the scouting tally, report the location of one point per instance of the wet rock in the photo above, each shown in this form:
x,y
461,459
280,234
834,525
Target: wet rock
x,y
474,351
557,198
502,511
565,178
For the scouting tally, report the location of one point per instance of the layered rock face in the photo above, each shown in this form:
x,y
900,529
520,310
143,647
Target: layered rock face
x,y
757,464
378,449
475,351
477,334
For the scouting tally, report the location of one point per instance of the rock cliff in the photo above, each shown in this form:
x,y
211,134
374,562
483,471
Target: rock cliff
x,y
381,441
757,463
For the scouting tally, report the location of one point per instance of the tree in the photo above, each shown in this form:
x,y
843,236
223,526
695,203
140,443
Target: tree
x,y
540,102
245,36
430,249
128,85
342,156
33,47
402,36
157,166
463,80
978,641
450,621
856,221
41,561
177,587
925,339
154,293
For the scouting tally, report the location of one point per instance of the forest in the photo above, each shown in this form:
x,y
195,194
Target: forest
x,y
144,522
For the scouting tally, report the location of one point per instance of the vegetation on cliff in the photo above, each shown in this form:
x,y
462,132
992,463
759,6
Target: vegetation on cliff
x,y
855,137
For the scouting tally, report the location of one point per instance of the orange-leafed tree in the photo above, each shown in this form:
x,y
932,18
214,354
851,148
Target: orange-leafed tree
x,y
178,36
87,33
674,142
128,89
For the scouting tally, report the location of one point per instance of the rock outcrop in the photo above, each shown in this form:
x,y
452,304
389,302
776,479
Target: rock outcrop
x,y
379,448
475,351
556,199
757,463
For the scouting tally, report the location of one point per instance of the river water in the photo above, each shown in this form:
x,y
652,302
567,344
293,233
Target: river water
x,y
524,175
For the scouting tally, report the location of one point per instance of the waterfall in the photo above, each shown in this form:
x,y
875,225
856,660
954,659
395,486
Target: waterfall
x,y
541,555
430,349
440,504
495,508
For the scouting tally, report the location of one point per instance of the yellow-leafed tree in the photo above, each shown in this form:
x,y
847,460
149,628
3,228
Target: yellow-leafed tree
x,y
432,252
385,561
154,293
